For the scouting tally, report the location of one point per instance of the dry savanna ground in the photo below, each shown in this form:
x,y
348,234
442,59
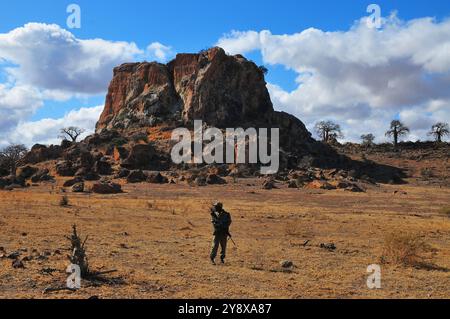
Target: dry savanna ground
x,y
158,237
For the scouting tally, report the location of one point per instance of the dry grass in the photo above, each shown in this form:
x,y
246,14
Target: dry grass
x,y
64,201
406,249
158,237
445,211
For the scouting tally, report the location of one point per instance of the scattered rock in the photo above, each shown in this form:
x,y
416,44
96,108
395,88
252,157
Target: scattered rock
x,y
136,176
292,184
269,184
123,173
156,178
13,255
320,184
213,179
286,264
106,188
72,182
328,246
27,258
200,181
78,188
18,264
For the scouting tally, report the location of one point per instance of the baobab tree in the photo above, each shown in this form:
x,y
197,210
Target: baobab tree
x,y
71,132
328,131
397,130
11,157
367,139
439,131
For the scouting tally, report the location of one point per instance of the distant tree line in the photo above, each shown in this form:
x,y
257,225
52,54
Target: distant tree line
x,y
330,131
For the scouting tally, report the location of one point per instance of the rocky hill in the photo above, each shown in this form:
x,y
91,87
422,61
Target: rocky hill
x,y
146,101
221,90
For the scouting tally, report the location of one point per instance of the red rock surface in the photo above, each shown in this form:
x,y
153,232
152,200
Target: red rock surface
x,y
211,86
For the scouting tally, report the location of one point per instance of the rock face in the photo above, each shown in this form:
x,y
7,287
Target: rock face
x,y
211,86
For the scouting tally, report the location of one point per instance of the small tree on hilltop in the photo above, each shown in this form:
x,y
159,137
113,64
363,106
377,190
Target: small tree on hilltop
x,y
328,131
397,130
439,131
263,69
368,139
71,132
12,156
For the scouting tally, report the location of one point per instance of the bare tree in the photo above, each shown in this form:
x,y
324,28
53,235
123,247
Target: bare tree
x,y
71,132
12,156
328,131
439,131
397,130
367,139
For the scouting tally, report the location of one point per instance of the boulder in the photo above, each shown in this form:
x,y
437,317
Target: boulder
x,y
102,167
71,182
140,157
25,172
286,264
156,178
320,184
87,174
123,173
199,181
41,153
213,179
269,184
136,176
65,168
355,189
42,175
340,184
78,187
292,183
328,246
106,188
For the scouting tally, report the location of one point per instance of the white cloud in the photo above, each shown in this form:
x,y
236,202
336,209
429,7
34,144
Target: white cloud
x,y
237,42
361,77
46,131
15,103
53,59
44,62
159,52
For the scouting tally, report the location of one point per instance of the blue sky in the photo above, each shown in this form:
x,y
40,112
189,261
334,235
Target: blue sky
x,y
189,26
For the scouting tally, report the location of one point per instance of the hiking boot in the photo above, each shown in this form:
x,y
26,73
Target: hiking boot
x,y
213,262
222,260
